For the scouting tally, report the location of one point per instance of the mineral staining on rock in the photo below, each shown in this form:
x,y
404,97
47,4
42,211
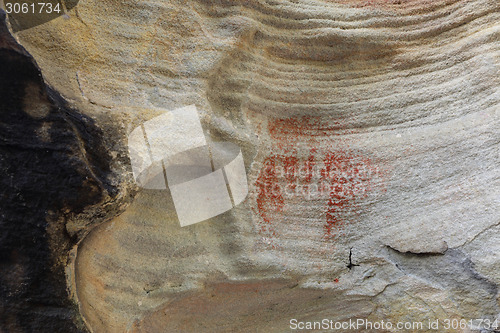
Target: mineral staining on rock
x,y
392,106
285,180
49,175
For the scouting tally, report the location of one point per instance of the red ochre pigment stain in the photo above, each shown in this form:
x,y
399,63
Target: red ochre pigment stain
x,y
287,132
387,4
270,197
401,6
338,178
349,176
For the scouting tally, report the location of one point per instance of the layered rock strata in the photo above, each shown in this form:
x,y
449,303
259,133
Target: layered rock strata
x,y
370,134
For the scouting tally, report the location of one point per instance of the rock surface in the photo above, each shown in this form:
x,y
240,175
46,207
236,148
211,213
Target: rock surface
x,y
370,132
49,176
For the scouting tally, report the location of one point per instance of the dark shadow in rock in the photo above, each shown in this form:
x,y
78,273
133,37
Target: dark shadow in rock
x,y
53,165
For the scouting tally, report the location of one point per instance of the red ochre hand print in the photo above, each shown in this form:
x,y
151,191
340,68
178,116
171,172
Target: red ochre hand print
x,y
336,179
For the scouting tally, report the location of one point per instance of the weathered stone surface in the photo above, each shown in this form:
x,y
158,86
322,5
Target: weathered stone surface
x,y
49,176
394,104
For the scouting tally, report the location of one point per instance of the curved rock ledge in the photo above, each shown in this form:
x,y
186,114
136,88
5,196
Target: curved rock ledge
x,y
392,107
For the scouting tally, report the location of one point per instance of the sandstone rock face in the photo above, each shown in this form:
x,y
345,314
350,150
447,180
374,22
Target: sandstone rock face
x,y
370,132
49,175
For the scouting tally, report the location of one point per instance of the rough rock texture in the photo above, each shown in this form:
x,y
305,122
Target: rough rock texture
x,y
49,176
371,134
